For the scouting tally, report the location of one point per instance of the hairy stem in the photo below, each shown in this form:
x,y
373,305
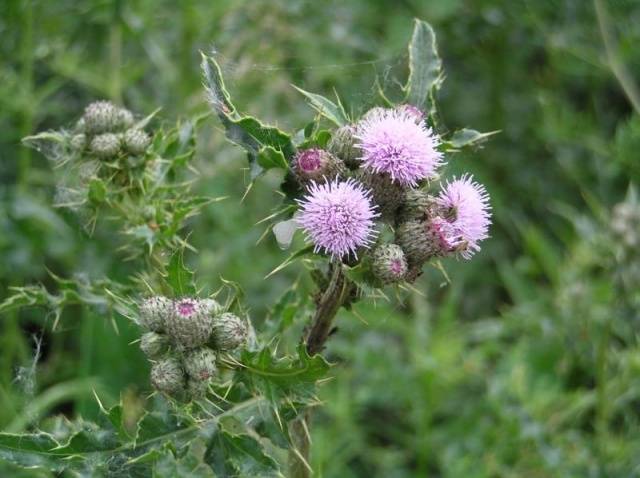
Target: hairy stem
x,y
316,336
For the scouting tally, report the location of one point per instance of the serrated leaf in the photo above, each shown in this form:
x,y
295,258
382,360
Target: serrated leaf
x,y
325,107
269,158
276,378
425,67
245,131
179,277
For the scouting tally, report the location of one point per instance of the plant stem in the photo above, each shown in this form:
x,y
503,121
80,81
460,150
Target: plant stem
x,y
27,95
326,309
115,56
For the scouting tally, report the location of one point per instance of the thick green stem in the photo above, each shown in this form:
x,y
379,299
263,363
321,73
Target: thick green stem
x,y
326,309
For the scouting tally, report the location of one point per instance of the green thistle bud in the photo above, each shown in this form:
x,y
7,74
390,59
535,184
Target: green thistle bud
x,y
154,344
197,388
101,117
78,142
387,194
229,332
105,146
154,312
212,307
190,323
80,126
200,363
125,119
418,241
416,206
389,263
136,141
316,164
167,376
342,145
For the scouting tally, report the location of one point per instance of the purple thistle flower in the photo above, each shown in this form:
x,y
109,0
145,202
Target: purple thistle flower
x,y
466,216
309,160
400,144
337,216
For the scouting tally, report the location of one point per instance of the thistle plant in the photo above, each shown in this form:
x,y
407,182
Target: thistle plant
x,y
367,192
364,190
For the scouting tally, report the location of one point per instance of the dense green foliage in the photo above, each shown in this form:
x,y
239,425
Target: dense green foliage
x,y
523,362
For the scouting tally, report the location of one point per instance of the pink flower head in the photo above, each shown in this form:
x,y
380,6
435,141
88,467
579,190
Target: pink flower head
x,y
413,111
400,144
309,160
186,307
466,216
337,216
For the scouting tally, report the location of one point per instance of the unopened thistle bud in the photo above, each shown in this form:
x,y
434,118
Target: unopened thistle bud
x,y
101,117
212,307
168,376
342,145
105,146
419,241
125,119
190,323
229,332
154,344
197,388
386,193
200,363
316,165
136,141
389,263
154,312
78,142
416,205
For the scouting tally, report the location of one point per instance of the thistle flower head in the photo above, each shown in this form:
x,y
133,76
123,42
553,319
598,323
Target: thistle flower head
x,y
338,216
317,165
465,216
400,144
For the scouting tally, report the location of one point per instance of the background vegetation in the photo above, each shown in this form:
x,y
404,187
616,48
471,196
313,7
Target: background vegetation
x,y
526,364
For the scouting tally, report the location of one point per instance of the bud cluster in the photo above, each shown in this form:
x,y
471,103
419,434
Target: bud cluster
x,y
381,168
107,132
183,340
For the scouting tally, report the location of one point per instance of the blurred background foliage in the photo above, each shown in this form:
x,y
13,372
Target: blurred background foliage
x,y
526,364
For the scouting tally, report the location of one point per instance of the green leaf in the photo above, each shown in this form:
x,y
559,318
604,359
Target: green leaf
x,y
245,131
425,67
179,277
97,191
277,378
33,451
325,107
270,158
468,137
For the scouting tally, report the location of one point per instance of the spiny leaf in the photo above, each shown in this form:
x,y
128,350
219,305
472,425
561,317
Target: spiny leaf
x,y
179,277
326,107
245,131
468,137
425,67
